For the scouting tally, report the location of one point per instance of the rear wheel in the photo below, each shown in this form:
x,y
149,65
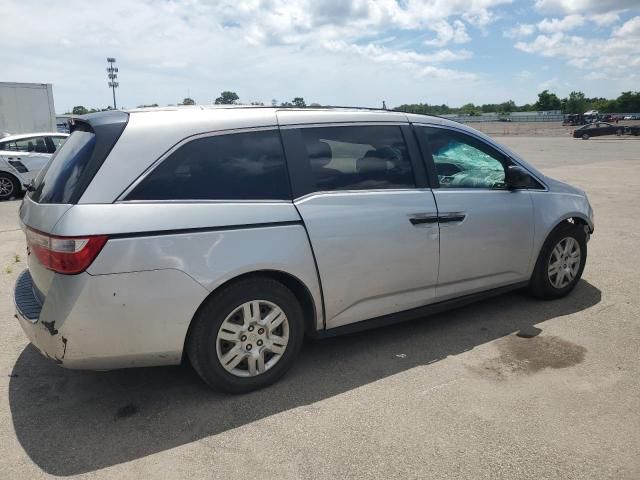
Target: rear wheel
x,y
247,335
9,186
619,132
585,136
560,263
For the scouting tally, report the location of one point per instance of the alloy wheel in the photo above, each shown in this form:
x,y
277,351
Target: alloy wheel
x,y
253,338
6,187
564,262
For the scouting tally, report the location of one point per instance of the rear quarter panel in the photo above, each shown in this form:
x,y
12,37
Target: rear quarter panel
x,y
211,243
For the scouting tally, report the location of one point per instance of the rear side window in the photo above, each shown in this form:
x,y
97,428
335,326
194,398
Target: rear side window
x,y
59,180
358,158
239,166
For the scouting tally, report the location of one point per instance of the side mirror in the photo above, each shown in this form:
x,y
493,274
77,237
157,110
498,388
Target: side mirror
x,y
517,177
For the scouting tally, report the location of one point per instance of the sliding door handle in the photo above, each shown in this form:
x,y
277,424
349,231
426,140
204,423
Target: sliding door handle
x,y
452,217
424,219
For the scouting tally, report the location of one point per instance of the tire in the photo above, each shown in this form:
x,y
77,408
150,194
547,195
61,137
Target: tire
x,y
9,186
207,349
619,132
543,283
585,136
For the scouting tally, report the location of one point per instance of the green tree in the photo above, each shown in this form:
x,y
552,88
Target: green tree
x,y
424,109
299,102
547,101
188,101
602,105
576,103
470,109
628,102
79,110
507,107
227,98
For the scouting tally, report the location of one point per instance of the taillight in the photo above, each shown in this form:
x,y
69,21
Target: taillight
x,y
68,255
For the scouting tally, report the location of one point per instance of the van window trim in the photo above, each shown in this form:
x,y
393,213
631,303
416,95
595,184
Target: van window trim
x,y
214,133
369,191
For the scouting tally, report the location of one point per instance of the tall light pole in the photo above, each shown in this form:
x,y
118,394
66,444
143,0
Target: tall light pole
x,y
112,74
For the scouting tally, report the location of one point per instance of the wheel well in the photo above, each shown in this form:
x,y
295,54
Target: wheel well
x,y
575,221
294,284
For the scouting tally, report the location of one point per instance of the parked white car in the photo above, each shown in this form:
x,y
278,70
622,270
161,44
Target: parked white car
x,y
22,157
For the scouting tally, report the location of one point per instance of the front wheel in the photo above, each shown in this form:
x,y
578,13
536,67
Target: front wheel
x,y
247,335
560,263
9,186
585,136
619,132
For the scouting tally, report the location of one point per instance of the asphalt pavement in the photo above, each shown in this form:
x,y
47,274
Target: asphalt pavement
x,y
508,388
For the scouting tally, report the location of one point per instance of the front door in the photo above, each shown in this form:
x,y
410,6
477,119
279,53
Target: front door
x,y
486,230
372,227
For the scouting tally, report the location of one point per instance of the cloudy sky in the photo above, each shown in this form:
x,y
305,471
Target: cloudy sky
x,y
340,52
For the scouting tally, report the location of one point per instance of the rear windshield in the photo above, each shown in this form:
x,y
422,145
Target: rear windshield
x,y
59,180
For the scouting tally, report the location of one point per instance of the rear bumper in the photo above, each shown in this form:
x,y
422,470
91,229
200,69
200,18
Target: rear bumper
x,y
104,322
42,335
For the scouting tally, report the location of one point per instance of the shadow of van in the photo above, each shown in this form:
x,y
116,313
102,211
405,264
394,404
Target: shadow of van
x,y
71,422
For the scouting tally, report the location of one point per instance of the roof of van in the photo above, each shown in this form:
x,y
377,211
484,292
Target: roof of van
x,y
293,114
266,107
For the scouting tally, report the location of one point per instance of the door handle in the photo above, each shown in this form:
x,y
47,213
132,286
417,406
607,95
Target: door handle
x,y
423,219
452,217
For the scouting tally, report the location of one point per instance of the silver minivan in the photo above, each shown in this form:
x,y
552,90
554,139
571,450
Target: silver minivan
x,y
225,235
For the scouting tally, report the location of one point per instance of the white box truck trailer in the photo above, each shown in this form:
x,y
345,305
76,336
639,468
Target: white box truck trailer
x,y
26,108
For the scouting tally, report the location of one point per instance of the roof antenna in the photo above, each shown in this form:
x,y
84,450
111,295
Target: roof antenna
x,y
384,105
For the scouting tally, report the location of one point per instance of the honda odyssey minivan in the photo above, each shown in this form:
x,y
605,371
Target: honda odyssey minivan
x,y
225,235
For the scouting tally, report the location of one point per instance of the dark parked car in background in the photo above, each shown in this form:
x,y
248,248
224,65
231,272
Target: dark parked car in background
x,y
574,119
598,129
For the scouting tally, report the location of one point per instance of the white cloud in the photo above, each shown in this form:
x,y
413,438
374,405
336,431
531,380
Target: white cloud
x,y
630,28
595,76
295,21
619,52
550,84
519,31
570,22
604,19
584,6
261,49
449,32
445,74
379,53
